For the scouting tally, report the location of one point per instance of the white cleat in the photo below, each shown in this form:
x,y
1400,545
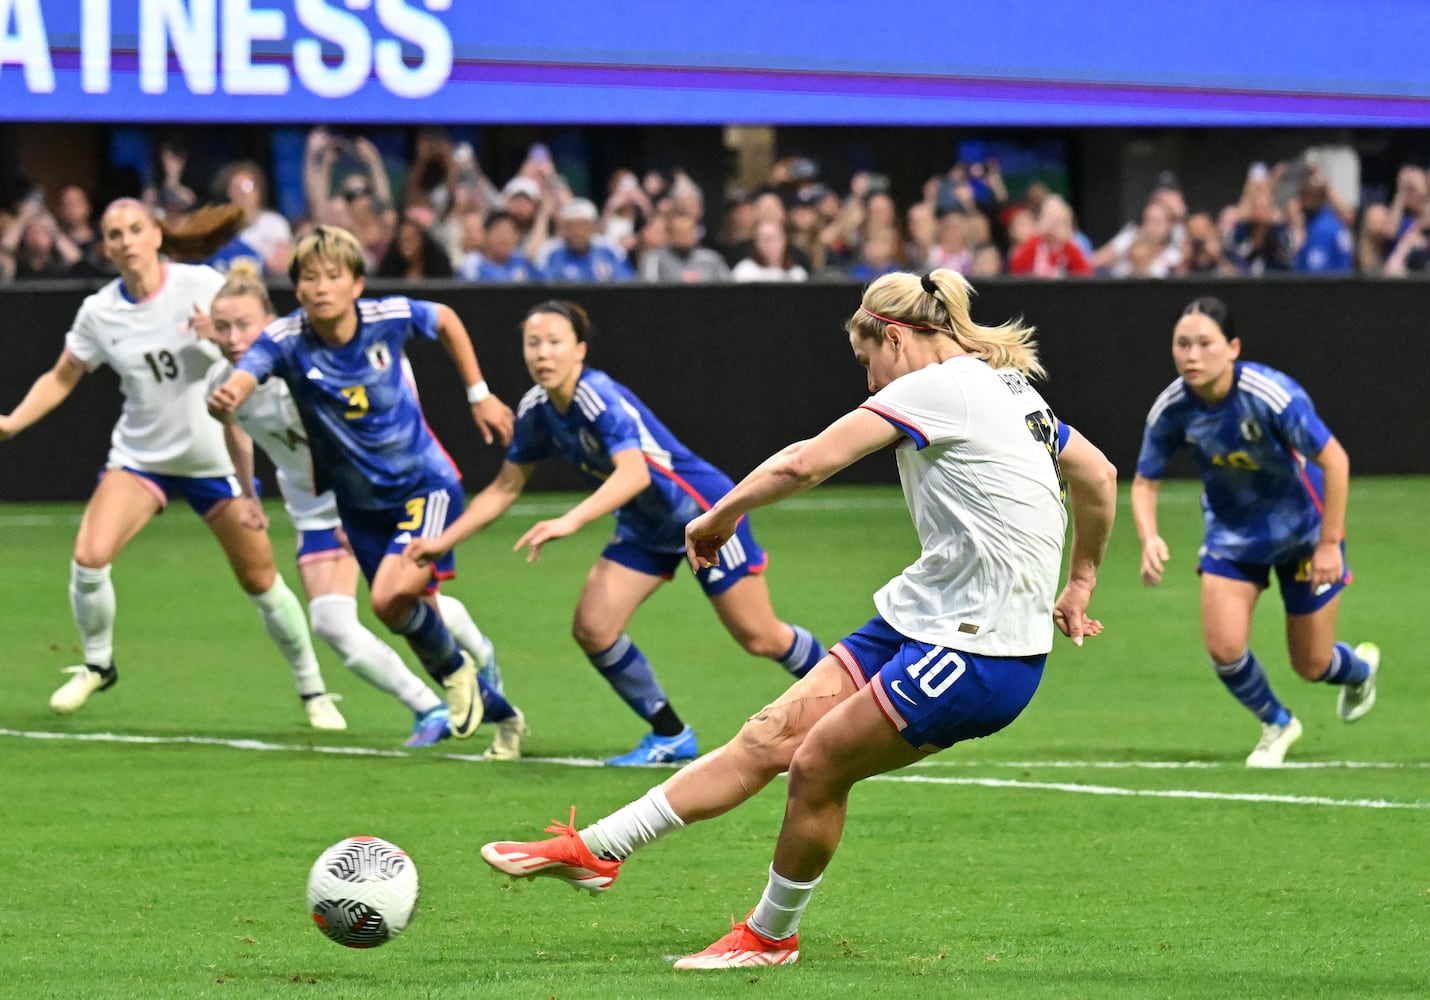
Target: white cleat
x,y
73,693
323,712
464,698
1275,741
506,744
1358,699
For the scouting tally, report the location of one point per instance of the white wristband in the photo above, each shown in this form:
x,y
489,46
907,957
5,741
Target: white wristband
x,y
478,392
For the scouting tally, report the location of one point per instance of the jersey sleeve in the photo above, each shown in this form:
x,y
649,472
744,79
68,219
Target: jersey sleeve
x,y
1160,440
424,317
262,358
1299,424
207,283
82,340
1064,435
930,409
530,440
617,428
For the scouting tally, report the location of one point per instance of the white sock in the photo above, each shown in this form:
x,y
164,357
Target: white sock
x,y
335,621
463,628
632,827
288,628
92,600
780,908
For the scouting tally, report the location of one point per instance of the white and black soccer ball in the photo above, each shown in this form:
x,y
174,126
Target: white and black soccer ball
x,y
362,892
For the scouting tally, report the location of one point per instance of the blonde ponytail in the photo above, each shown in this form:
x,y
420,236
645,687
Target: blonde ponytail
x,y
245,278
937,304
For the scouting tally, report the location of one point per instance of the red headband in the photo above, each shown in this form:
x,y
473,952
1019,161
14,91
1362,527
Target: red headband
x,y
896,322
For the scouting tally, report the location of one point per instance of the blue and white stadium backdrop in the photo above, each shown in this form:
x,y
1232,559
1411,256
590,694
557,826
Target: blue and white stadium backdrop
x,y
918,62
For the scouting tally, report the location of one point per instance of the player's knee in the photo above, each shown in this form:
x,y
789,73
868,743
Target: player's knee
x,y
1225,652
590,635
391,608
812,775
256,579
92,556
767,741
333,620
768,643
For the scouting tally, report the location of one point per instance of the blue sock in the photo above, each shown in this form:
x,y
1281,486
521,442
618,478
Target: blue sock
x,y
1346,667
495,708
431,640
1248,684
626,669
803,653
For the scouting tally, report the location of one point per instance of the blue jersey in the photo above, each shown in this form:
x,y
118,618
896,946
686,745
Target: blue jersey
x,y
604,419
1262,495
370,443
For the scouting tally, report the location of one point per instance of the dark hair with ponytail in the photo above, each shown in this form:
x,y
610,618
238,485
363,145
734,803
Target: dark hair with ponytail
x,y
571,312
1215,310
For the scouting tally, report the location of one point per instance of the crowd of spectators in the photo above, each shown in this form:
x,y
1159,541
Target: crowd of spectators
x,y
448,219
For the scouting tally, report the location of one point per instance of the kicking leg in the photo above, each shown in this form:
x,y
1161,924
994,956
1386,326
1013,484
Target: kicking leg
x,y
713,785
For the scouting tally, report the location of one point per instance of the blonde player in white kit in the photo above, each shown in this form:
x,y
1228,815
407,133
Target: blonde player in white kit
x,y
165,443
329,571
957,647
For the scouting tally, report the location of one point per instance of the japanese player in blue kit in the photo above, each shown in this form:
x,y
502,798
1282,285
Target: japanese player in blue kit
x,y
654,485
341,358
1275,486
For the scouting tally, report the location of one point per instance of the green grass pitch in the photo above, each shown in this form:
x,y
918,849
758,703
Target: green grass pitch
x,y
1109,844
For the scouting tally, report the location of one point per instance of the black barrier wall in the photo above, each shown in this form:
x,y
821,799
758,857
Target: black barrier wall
x,y
737,371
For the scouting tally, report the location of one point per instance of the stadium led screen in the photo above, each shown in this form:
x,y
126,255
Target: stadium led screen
x,y
1017,62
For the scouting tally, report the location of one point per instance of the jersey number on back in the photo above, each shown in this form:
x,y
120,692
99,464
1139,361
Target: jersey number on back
x,y
1042,425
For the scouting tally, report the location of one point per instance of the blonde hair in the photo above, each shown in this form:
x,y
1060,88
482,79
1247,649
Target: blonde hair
x,y
245,278
936,304
330,243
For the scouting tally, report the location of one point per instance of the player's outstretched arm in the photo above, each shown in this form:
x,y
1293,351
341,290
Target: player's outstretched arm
x,y
225,400
48,391
486,507
629,478
1092,489
793,469
493,417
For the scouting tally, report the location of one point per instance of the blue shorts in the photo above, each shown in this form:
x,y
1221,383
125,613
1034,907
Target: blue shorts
x,y
1293,575
936,696
318,544
740,557
204,494
375,534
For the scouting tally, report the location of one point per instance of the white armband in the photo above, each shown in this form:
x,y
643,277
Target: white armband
x,y
478,392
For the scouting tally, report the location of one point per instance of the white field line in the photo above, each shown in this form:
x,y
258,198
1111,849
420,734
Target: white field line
x,y
1049,786
1158,793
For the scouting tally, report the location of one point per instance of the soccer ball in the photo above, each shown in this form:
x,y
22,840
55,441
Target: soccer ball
x,y
362,892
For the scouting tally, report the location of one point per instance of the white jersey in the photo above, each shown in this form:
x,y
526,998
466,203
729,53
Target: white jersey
x,y
981,480
271,419
165,426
